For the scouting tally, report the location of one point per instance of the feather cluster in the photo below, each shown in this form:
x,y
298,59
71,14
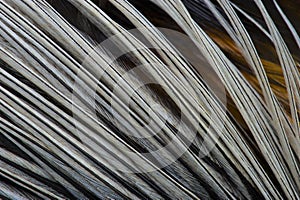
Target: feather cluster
x,y
149,99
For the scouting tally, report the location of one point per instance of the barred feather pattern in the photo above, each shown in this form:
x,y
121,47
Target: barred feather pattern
x,y
149,99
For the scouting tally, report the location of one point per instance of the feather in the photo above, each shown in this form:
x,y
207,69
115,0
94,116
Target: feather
x,y
126,99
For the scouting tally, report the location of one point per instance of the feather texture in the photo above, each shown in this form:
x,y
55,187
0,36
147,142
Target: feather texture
x,y
150,99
